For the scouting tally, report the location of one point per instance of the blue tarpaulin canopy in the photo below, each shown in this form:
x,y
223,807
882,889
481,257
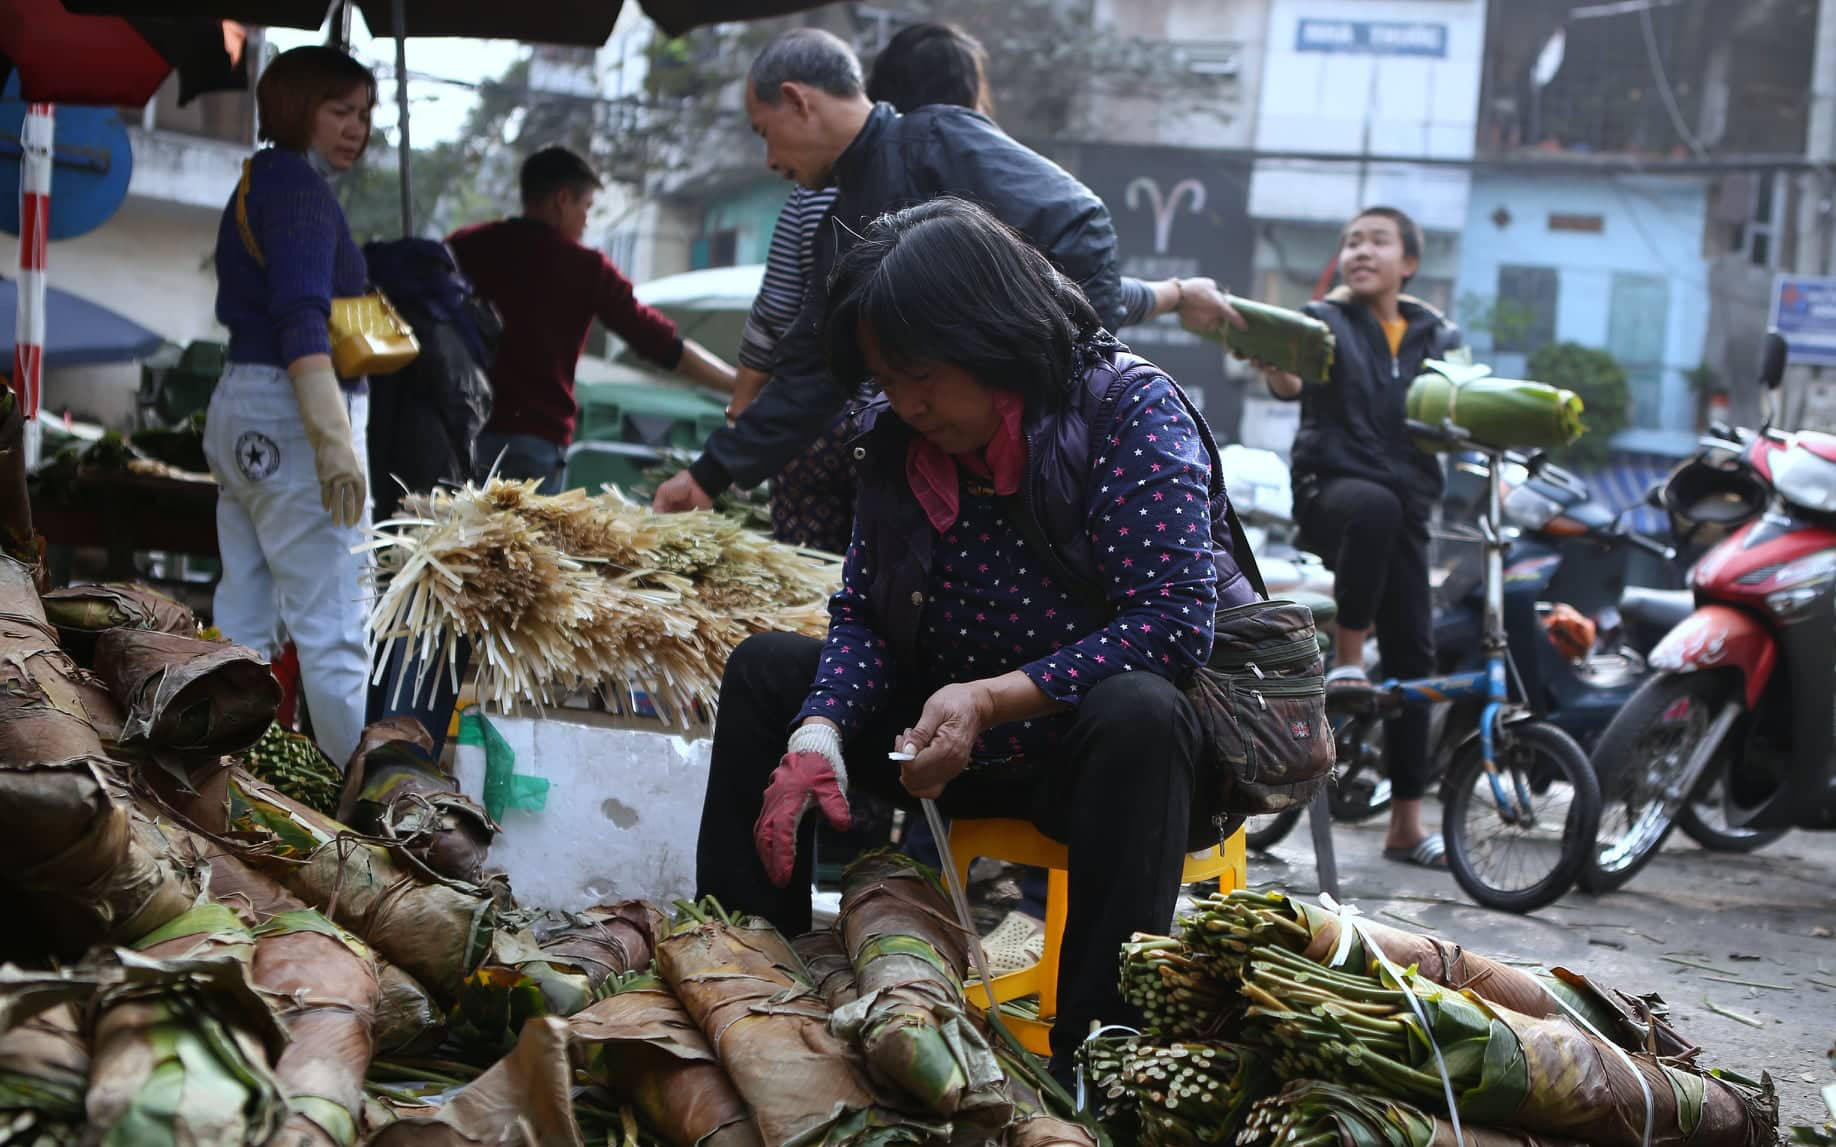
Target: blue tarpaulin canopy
x,y
77,331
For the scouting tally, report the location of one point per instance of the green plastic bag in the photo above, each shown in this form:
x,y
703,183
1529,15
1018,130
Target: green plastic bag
x,y
504,787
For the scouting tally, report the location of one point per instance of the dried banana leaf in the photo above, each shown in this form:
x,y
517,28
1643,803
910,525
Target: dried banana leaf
x,y
641,1045
1309,1111
826,959
393,789
44,1071
197,698
408,1022
525,1100
67,832
909,960
753,1001
1044,1130
1287,340
30,652
325,987
437,930
603,941
82,612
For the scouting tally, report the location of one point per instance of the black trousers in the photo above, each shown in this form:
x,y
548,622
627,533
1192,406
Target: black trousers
x,y
1377,546
1119,798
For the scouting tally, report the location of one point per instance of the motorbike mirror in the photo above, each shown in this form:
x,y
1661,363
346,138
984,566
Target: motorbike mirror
x,y
1654,495
1772,360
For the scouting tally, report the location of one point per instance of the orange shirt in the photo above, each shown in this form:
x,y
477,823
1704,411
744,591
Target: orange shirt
x,y
1394,331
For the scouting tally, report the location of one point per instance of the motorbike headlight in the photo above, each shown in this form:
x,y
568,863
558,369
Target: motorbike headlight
x,y
1804,479
1529,509
1798,584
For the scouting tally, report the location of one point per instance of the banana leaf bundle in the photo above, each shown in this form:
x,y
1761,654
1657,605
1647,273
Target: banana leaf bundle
x,y
1543,1076
1328,1115
1179,990
753,1000
44,1071
326,990
1224,929
641,1045
182,1043
909,960
602,942
1495,411
437,930
30,654
1174,1094
1288,340
295,766
525,1098
826,959
393,788
199,699
82,612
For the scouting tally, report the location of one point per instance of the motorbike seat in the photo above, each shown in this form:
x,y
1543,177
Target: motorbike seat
x,y
1656,610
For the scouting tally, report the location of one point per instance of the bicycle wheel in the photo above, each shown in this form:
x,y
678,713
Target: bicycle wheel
x,y
1517,840
1360,787
1642,755
1261,833
1705,818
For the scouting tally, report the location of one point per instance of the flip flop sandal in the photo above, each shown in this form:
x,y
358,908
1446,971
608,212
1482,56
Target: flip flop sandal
x,y
1428,852
1016,944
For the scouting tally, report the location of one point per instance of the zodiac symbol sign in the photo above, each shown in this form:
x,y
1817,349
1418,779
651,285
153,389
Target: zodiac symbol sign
x,y
1164,208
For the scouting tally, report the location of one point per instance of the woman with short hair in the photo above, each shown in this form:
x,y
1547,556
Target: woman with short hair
x,y
283,435
1039,547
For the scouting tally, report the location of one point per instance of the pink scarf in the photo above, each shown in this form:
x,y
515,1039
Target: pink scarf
x,y
933,474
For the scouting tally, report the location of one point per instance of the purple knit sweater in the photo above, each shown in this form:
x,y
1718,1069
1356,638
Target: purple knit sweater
x,y
279,313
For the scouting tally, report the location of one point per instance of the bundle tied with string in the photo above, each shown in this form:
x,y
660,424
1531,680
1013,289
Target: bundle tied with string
x,y
564,593
1318,1114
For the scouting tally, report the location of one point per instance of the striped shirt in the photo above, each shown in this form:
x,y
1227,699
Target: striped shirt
x,y
789,266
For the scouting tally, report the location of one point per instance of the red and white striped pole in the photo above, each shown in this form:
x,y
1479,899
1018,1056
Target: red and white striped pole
x,y
35,139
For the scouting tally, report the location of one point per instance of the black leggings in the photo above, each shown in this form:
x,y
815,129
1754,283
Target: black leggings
x,y
1377,546
1119,796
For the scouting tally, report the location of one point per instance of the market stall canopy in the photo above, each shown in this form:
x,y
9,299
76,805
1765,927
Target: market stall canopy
x,y
77,331
65,57
584,22
708,306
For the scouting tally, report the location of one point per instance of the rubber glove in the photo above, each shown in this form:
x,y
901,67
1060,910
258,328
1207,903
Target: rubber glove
x,y
810,775
328,431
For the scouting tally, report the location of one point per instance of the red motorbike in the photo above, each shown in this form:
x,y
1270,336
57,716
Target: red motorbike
x,y
1744,695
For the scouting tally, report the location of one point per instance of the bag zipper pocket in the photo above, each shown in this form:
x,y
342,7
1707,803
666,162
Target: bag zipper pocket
x,y
1271,660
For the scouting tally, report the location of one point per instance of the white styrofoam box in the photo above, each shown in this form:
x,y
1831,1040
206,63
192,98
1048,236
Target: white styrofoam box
x,y
621,818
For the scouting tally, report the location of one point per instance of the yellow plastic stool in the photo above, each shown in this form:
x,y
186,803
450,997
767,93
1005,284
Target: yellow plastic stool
x,y
1018,842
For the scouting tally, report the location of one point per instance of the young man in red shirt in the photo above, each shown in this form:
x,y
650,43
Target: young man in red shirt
x,y
549,288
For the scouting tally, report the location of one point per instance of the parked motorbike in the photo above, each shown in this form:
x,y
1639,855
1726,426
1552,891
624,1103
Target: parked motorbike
x,y
1741,699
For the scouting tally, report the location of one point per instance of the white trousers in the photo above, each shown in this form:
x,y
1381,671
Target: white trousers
x,y
286,564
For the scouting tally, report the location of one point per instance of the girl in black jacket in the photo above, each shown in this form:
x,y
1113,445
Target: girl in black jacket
x,y
1363,493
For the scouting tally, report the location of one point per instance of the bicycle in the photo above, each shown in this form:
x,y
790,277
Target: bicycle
x,y
1516,781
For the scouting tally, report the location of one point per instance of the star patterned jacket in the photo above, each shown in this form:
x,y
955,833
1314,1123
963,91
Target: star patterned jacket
x,y
1122,479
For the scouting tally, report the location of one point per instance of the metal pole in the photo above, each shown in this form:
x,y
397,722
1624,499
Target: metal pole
x,y
398,13
36,135
342,18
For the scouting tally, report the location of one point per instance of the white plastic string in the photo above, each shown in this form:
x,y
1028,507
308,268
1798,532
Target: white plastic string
x,y
1643,1084
1350,917
1082,1097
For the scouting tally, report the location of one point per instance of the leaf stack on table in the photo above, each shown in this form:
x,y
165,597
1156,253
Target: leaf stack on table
x,y
560,594
196,958
1277,1023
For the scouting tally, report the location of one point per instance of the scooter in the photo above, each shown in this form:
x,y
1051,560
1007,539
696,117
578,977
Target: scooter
x,y
1744,689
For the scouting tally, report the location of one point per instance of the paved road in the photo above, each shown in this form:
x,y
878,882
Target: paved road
x,y
1688,904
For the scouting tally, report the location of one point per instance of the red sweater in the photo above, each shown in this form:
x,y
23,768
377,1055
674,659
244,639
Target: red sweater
x,y
548,289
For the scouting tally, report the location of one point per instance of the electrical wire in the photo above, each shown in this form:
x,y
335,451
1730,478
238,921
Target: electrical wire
x,y
1663,84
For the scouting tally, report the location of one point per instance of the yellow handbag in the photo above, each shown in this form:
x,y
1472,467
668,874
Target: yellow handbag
x,y
368,335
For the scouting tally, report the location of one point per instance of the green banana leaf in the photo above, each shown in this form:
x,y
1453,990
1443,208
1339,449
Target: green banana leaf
x,y
1498,412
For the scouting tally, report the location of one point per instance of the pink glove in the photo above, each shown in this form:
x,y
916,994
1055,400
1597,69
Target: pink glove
x,y
810,775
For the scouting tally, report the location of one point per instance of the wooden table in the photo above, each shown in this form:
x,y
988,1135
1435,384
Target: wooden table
x,y
124,513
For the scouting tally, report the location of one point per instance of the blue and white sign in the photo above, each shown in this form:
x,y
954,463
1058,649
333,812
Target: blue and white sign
x,y
1372,38
1804,311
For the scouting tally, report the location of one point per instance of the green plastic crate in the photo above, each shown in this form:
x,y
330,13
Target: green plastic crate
x,y
625,428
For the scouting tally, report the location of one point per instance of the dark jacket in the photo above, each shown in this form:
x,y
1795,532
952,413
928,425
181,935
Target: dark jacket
x,y
898,161
1352,426
1056,489
426,417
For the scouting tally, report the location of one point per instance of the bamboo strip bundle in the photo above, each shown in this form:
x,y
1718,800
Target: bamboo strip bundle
x,y
1181,1094
563,593
1180,992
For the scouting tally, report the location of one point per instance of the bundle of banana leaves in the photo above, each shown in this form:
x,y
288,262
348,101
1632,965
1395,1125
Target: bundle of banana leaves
x,y
826,958
753,1000
199,699
1179,990
44,1070
295,766
325,989
1174,1094
82,613
1544,1076
642,1045
1289,341
909,960
1308,1111
1506,412
1223,930
394,789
